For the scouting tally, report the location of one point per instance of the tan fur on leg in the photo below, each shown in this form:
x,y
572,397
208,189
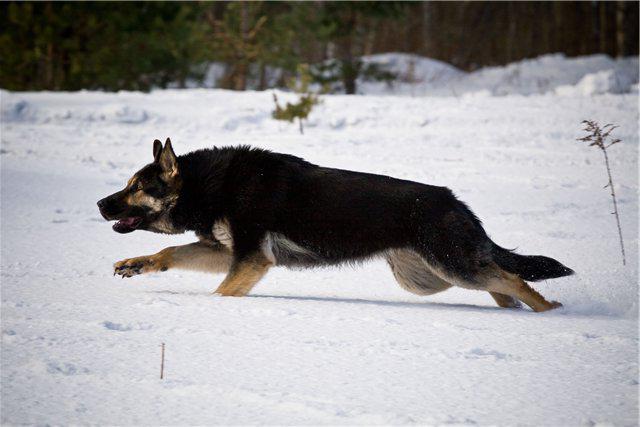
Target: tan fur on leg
x,y
505,300
512,285
414,274
197,256
244,275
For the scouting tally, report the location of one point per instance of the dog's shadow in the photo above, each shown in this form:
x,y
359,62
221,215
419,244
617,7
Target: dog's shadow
x,y
386,303
429,305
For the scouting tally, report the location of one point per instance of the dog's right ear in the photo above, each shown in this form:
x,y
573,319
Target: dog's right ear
x,y
157,150
168,160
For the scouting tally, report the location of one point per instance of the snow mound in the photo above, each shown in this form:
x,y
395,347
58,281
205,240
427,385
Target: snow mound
x,y
607,81
587,75
17,109
414,68
421,76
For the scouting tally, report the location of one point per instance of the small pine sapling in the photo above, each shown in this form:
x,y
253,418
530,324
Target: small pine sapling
x,y
301,109
600,137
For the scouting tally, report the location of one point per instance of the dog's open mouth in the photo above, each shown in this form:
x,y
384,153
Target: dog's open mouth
x,y
127,225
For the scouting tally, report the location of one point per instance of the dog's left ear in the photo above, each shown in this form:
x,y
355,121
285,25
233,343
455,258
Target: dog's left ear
x,y
157,149
168,160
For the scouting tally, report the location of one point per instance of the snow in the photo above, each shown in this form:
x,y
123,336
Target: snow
x,y
606,81
586,75
326,346
420,76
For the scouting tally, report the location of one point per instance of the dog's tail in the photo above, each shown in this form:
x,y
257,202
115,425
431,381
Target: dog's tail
x,y
529,267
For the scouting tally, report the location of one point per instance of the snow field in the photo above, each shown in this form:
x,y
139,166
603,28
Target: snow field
x,y
327,346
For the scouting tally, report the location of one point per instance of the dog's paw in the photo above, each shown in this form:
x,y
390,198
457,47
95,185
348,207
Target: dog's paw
x,y
515,304
133,266
556,304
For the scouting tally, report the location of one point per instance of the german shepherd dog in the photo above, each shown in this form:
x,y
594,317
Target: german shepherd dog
x,y
252,209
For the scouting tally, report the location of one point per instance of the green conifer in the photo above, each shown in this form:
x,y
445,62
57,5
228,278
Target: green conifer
x,y
308,99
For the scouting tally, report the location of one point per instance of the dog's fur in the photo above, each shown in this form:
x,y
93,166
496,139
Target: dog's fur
x,y
252,209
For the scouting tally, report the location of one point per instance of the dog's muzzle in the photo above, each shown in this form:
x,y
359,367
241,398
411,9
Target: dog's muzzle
x,y
102,204
111,208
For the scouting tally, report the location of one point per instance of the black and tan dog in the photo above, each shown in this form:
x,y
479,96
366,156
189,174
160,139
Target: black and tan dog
x,y
252,209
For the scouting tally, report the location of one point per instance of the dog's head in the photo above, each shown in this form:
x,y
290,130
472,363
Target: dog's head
x,y
149,195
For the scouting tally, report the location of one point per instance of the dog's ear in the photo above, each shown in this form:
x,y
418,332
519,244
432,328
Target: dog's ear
x,y
168,160
157,149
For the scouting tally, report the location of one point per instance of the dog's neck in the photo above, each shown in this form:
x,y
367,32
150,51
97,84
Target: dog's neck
x,y
200,200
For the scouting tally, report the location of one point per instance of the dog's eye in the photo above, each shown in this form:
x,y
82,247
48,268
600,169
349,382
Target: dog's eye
x,y
138,186
153,191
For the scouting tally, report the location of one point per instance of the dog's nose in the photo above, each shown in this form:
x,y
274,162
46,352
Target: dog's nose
x,y
101,207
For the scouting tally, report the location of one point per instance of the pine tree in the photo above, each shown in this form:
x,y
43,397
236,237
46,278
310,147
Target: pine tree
x,y
96,45
301,109
345,27
237,40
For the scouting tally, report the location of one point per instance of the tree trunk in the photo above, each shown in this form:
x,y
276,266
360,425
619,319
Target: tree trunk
x,y
426,49
262,84
511,32
240,75
242,66
347,63
620,29
50,55
349,76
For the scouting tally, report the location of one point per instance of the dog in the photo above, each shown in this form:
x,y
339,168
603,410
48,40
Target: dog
x,y
252,209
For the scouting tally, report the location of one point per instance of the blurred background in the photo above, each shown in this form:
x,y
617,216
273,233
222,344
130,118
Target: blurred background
x,y
259,45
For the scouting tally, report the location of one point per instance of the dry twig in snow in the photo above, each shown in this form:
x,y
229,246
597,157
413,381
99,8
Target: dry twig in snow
x,y
600,137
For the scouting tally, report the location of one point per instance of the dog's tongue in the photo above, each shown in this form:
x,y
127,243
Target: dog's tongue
x,y
127,225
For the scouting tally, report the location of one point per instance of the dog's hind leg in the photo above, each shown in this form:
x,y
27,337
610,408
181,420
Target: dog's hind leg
x,y
505,283
505,300
413,274
199,256
244,275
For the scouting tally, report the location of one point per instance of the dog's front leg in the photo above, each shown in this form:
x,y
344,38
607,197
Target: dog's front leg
x,y
243,275
197,256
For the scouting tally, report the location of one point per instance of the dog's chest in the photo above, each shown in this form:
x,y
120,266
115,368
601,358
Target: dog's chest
x,y
221,231
275,246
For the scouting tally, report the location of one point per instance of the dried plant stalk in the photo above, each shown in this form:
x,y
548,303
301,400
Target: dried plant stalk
x,y
600,137
162,362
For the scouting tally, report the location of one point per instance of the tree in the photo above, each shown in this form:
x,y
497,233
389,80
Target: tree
x,y
345,25
301,109
236,38
87,45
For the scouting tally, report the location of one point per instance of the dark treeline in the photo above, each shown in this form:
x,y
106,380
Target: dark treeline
x,y
141,45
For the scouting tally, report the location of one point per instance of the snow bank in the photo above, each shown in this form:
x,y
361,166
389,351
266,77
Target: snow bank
x,y
421,76
112,108
588,75
607,81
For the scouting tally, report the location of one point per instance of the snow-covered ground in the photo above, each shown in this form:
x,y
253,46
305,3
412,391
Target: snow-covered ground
x,y
328,346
